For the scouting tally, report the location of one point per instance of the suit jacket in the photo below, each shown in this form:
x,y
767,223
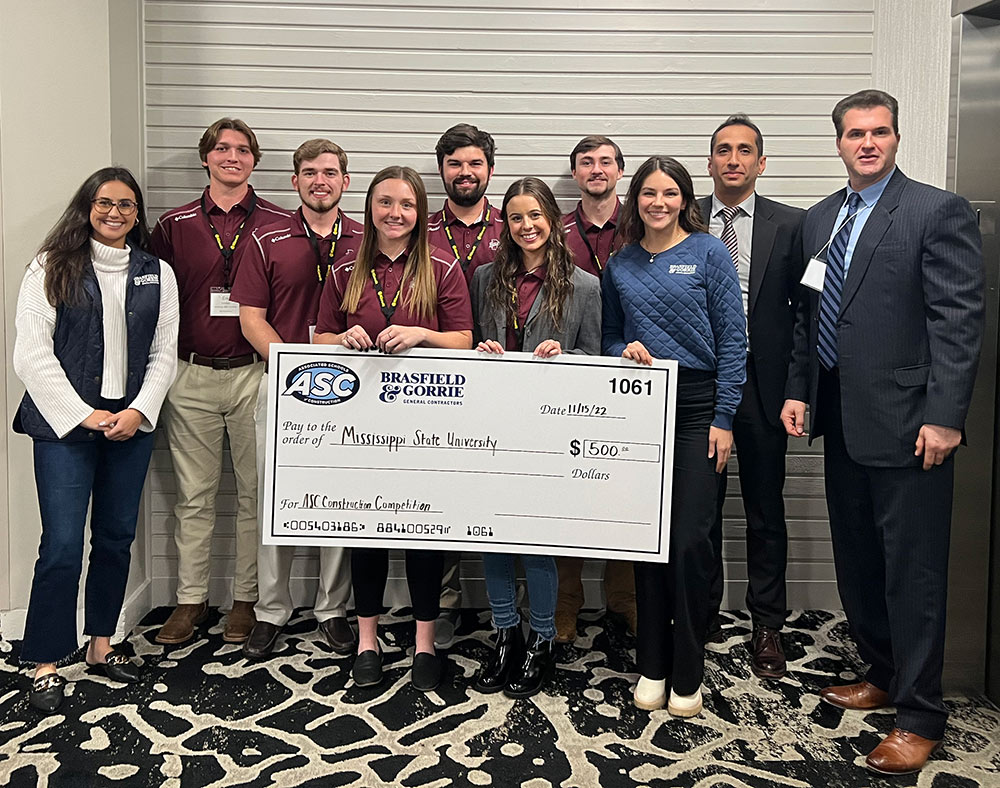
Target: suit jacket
x,y
775,270
580,330
910,324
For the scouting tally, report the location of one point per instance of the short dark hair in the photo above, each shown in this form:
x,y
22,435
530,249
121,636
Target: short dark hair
x,y
465,135
865,99
593,142
211,136
690,219
739,119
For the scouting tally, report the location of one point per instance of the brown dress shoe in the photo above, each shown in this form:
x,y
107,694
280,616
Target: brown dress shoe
x,y
338,633
627,616
862,696
768,661
565,625
179,628
240,622
901,752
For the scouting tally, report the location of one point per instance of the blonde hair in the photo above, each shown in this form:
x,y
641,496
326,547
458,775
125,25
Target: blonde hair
x,y
421,297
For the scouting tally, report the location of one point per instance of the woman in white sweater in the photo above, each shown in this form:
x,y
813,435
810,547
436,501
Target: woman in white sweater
x,y
96,349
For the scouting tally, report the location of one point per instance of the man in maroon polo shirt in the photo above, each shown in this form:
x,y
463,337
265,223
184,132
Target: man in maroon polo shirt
x,y
217,377
467,224
470,227
597,165
282,274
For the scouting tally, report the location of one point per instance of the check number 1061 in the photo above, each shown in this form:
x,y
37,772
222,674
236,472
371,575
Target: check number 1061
x,y
631,386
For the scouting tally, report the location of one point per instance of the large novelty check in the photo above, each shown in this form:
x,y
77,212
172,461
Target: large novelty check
x,y
465,451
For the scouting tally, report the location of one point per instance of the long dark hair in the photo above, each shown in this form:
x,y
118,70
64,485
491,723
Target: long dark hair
x,y
67,246
631,227
500,292
421,297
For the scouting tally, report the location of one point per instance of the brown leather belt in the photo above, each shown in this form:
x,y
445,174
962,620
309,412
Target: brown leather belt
x,y
223,362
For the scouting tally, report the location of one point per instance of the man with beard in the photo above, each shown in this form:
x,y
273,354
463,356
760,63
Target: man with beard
x,y
470,227
597,165
278,289
467,224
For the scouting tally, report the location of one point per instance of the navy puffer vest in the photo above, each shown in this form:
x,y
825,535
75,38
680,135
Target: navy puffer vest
x,y
78,343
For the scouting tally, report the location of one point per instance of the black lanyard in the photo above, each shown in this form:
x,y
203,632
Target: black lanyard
x,y
227,251
464,261
388,310
586,241
314,243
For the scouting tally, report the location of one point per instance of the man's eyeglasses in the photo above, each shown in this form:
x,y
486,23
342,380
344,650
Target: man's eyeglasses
x,y
104,205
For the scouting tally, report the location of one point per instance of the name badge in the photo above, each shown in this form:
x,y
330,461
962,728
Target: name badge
x,y
220,305
815,274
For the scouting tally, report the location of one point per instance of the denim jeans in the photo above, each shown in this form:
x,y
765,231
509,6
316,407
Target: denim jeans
x,y
68,474
543,585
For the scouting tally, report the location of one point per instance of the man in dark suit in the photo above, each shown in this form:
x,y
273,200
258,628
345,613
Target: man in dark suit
x,y
885,352
763,237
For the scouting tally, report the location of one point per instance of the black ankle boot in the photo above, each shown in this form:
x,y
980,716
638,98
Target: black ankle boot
x,y
507,655
527,678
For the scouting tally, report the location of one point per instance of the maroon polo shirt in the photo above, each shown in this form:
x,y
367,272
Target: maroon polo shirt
x,y
529,285
280,272
454,312
601,239
465,237
184,239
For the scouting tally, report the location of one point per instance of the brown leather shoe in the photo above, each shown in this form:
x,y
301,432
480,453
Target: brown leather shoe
x,y
179,628
338,633
239,622
626,616
901,752
768,661
862,696
565,625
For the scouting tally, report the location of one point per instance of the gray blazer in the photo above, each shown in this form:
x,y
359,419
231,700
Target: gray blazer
x,y
581,324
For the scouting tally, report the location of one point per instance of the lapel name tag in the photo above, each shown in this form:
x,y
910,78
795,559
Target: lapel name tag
x,y
814,275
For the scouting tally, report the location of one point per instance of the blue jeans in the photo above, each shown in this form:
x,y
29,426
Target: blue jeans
x,y
68,474
543,586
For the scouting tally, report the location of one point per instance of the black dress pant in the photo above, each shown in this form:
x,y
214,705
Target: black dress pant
x,y
672,598
761,448
370,570
891,531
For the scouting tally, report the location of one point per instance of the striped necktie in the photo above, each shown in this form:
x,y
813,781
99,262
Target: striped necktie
x,y
728,236
833,287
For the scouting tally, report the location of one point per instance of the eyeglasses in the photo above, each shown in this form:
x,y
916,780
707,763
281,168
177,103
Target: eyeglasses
x,y
104,205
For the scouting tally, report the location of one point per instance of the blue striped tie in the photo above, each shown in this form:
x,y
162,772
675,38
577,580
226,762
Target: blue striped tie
x,y
833,287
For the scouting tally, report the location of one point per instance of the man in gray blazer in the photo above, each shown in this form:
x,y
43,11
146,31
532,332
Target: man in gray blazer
x,y
886,347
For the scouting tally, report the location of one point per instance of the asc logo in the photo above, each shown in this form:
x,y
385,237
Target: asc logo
x,y
321,383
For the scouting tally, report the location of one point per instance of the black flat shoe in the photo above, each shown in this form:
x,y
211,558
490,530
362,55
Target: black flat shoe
x,y
507,653
117,667
46,693
427,670
367,670
527,678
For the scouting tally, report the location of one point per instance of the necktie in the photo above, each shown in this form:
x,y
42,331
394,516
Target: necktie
x,y
728,236
833,287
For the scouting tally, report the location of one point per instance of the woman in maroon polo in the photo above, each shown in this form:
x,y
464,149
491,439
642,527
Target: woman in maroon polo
x,y
399,293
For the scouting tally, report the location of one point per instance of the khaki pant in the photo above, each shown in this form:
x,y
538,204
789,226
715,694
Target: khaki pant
x,y
274,562
201,407
619,585
451,582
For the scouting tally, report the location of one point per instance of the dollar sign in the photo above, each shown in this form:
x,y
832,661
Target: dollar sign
x,y
574,447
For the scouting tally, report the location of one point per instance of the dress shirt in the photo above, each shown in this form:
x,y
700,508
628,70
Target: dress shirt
x,y
743,224
869,196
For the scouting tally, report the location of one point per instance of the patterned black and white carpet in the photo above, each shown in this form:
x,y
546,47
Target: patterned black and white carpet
x,y
203,716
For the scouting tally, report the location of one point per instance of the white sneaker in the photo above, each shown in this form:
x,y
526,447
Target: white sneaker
x,y
685,705
650,694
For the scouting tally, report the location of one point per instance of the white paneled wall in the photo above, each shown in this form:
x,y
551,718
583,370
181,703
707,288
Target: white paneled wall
x,y
384,78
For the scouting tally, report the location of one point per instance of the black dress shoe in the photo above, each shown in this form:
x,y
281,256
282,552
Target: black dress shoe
x,y
768,661
527,678
508,652
117,667
427,670
46,693
338,633
261,642
367,670
714,632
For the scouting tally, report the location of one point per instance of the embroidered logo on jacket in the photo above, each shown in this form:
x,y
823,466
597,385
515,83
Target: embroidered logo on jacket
x,y
146,279
683,268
